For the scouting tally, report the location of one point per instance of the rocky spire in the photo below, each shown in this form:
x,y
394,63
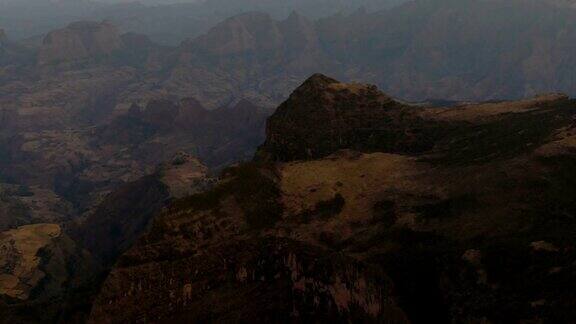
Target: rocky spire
x,y
299,33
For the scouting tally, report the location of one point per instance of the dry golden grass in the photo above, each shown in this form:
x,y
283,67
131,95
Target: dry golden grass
x,y
358,178
361,180
477,112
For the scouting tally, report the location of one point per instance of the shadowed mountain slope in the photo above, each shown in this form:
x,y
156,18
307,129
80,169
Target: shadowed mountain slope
x,y
475,226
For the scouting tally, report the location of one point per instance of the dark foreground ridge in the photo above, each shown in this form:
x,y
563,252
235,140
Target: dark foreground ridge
x,y
359,208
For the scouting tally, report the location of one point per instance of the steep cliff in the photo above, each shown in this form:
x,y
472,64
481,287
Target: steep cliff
x,y
80,40
124,215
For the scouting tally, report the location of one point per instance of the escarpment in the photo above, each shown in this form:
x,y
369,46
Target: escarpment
x,y
395,232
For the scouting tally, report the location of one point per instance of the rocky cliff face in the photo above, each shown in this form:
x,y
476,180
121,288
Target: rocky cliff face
x,y
474,227
442,54
253,55
125,214
354,116
80,40
50,272
221,260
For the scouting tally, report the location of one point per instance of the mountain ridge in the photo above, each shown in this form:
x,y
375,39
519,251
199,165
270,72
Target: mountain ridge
x,y
376,235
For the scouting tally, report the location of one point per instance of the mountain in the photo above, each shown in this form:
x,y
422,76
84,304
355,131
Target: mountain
x,y
256,57
352,192
88,113
219,137
91,149
21,205
82,164
168,22
80,40
293,132
63,106
250,55
476,225
52,271
418,51
27,18
463,50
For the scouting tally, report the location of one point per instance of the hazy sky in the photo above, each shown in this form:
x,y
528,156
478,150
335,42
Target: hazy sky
x,y
148,1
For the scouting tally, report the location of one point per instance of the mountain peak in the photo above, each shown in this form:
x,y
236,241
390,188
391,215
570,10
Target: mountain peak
x,y
295,16
323,116
249,32
80,40
318,80
320,84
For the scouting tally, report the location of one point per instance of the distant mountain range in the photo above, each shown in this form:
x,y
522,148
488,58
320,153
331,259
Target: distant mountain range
x,y
456,50
167,22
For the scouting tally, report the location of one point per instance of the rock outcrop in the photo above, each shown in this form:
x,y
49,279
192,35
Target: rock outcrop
x,y
354,116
